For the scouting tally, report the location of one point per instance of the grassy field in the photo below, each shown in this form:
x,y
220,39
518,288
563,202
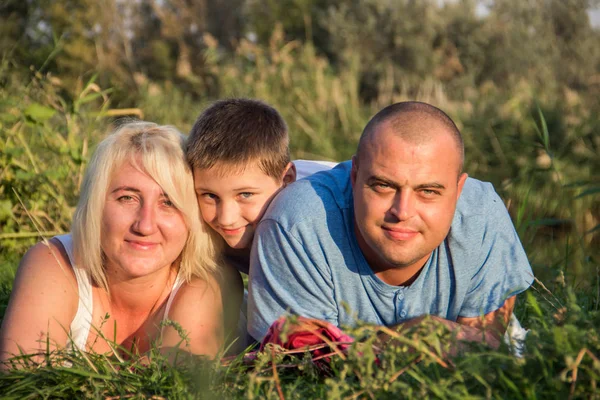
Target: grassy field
x,y
540,153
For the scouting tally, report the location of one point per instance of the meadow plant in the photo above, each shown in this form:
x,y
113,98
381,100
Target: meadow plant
x,y
541,163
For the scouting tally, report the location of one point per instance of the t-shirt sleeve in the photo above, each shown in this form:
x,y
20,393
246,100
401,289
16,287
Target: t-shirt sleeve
x,y
305,168
501,269
284,277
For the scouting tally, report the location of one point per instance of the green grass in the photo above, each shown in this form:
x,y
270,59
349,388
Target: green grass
x,y
560,361
544,165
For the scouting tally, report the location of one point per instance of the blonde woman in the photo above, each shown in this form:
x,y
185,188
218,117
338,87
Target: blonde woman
x,y
137,255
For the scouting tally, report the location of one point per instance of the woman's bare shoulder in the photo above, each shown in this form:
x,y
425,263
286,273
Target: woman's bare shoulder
x,y
48,259
43,301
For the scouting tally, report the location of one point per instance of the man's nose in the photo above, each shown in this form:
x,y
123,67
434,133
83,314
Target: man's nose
x,y
403,206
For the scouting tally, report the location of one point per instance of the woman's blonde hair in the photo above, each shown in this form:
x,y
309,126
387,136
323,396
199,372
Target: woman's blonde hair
x,y
157,151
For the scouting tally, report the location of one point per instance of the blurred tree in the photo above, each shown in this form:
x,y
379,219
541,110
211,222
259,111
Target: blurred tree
x,y
301,20
93,37
155,55
463,41
170,36
395,41
13,24
521,44
577,42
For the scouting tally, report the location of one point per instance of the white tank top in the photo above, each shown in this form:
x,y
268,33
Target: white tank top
x,y
81,324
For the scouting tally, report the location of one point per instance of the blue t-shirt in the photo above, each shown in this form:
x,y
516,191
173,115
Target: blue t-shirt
x,y
305,259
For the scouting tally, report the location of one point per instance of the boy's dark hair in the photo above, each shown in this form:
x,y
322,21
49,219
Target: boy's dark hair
x,y
236,132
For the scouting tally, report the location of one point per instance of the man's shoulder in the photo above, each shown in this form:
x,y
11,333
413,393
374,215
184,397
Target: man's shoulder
x,y
312,197
477,198
477,210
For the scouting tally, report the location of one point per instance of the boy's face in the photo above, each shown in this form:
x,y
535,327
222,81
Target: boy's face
x,y
232,201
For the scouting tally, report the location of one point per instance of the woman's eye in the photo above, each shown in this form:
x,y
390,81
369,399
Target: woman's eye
x,y
168,203
125,198
209,196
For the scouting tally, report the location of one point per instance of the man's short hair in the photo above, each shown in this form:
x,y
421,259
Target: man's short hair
x,y
415,112
157,151
236,132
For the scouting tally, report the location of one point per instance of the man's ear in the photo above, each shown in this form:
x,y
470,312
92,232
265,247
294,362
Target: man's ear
x,y
461,182
289,175
354,170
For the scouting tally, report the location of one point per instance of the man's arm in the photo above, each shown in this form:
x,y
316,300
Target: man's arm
x,y
492,324
498,267
286,275
488,329
500,272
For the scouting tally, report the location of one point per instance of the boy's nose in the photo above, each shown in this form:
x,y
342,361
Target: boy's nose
x,y
228,213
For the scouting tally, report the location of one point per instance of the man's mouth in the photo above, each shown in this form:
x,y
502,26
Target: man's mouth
x,y
400,233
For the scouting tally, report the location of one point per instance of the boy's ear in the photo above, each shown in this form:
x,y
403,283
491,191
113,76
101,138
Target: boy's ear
x,y
289,174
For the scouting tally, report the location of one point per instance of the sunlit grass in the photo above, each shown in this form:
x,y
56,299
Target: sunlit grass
x,y
543,168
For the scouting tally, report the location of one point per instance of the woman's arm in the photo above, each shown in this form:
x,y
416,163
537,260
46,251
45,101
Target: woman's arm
x,y
42,304
207,311
198,310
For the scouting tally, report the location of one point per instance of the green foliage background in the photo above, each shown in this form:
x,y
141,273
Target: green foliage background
x,y
522,82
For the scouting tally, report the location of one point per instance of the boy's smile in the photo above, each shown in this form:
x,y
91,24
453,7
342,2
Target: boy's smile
x,y
232,200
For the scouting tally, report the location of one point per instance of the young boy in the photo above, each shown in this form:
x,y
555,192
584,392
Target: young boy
x,y
239,152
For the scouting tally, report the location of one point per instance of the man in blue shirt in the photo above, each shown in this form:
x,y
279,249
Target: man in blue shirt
x,y
398,233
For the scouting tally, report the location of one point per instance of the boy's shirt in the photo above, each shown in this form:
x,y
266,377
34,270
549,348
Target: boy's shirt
x,y
304,168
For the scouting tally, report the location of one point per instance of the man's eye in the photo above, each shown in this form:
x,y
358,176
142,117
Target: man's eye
x,y
381,187
209,196
429,192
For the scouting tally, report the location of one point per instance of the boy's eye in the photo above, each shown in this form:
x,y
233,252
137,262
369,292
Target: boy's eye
x,y
246,195
209,196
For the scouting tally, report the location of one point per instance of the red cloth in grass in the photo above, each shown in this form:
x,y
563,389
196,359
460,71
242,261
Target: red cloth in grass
x,y
303,332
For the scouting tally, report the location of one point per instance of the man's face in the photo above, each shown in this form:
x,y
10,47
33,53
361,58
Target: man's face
x,y
233,202
405,195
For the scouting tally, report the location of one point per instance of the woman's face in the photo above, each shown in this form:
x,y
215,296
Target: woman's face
x,y
142,231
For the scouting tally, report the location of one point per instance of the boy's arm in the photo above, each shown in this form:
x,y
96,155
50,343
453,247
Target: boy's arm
x,y
284,277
